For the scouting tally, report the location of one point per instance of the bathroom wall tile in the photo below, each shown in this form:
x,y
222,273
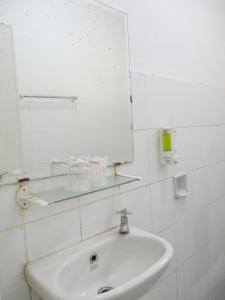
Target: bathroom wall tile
x,y
170,235
27,149
141,166
142,160
201,227
167,289
41,116
24,114
38,169
139,203
81,115
186,280
216,173
34,296
186,140
216,147
99,216
138,89
64,144
202,264
202,154
199,186
11,213
201,294
214,283
163,205
12,262
62,116
52,234
100,117
43,150
185,242
159,94
215,220
181,96
101,142
94,197
37,212
171,102
222,209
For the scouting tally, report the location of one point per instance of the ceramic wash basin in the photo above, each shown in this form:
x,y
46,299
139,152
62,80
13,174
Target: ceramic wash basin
x,y
111,266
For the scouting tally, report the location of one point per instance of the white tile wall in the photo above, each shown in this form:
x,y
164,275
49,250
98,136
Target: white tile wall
x,y
195,225
52,234
138,202
163,205
11,215
170,235
12,262
99,217
167,289
186,280
140,119
185,239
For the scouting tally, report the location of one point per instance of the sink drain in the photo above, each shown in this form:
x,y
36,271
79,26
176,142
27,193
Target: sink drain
x,y
105,289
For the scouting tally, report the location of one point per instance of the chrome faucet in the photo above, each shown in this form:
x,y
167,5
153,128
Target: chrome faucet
x,y
124,227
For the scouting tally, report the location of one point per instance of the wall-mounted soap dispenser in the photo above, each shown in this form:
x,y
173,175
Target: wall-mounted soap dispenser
x,y
168,152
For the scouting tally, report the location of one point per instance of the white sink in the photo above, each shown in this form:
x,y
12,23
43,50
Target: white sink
x,y
130,264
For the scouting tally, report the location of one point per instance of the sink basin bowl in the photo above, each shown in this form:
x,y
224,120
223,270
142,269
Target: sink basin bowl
x,y
117,266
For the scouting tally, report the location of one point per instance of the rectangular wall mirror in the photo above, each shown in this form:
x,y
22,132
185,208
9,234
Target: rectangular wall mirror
x,y
10,149
67,78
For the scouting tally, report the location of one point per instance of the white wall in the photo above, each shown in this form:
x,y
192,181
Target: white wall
x,y
178,38
166,41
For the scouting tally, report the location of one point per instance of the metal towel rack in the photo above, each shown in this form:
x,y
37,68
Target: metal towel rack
x,y
47,97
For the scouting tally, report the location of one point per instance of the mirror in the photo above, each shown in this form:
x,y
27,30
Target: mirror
x,y
10,150
73,85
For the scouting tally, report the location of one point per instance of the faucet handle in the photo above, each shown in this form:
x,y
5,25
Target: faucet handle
x,y
124,212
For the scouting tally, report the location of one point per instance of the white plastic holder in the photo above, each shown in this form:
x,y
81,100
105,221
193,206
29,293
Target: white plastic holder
x,y
25,200
168,157
180,183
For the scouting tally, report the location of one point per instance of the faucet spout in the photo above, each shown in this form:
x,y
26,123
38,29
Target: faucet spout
x,y
124,226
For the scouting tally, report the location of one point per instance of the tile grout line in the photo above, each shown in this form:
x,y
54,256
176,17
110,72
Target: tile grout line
x,y
25,251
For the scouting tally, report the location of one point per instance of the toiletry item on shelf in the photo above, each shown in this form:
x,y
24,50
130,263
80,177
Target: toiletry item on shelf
x,y
98,168
79,175
85,172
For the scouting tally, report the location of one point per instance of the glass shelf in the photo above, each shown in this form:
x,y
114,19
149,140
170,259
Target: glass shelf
x,y
61,194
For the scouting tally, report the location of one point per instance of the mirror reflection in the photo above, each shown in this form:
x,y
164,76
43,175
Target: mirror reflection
x,y
70,63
